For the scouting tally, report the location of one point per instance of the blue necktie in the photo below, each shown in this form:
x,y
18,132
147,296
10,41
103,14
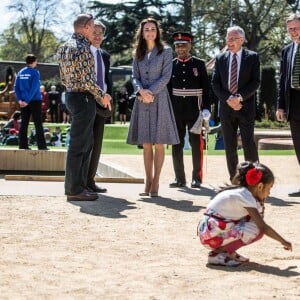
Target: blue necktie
x,y
99,71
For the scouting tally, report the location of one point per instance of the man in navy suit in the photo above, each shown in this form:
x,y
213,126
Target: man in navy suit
x,y
288,104
100,119
236,94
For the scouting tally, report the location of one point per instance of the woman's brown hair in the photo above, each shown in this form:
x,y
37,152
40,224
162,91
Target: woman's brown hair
x,y
140,45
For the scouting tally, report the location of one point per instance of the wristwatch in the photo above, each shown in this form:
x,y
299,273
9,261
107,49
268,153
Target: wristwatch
x,y
240,97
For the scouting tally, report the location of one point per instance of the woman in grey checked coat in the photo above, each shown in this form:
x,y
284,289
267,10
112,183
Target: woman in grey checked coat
x,y
152,121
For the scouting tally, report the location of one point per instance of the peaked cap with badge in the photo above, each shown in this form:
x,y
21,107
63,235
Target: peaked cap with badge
x,y
182,37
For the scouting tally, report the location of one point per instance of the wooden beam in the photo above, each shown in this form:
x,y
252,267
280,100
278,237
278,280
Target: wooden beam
x,y
62,178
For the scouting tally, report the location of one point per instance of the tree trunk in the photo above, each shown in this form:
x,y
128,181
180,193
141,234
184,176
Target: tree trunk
x,y
188,15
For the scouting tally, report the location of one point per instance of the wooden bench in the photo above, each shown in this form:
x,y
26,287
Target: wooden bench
x,y
7,109
279,139
275,144
3,115
272,133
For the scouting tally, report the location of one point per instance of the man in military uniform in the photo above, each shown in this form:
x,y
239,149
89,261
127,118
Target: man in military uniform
x,y
189,91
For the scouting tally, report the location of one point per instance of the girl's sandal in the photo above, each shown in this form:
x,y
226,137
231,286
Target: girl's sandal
x,y
238,257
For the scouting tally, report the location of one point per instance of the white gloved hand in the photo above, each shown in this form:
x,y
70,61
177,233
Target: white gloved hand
x,y
206,114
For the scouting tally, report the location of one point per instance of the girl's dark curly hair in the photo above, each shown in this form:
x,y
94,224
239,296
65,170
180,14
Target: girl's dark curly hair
x,y
243,168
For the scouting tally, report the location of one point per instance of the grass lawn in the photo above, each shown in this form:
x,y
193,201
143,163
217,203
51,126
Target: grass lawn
x,y
114,142
115,135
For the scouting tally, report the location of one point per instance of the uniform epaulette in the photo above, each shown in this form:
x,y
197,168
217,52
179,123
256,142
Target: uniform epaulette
x,y
197,58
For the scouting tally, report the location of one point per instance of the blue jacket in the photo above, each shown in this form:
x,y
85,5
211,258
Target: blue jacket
x,y
27,85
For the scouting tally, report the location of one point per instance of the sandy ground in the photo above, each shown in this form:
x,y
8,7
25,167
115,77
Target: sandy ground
x,y
123,246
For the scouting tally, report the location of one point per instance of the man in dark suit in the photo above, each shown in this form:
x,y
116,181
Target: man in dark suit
x,y
102,62
235,80
288,104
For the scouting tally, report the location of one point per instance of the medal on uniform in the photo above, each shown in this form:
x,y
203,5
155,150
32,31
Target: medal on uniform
x,y
195,70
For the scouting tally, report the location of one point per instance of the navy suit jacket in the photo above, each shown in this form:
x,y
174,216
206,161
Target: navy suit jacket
x,y
286,63
106,61
248,82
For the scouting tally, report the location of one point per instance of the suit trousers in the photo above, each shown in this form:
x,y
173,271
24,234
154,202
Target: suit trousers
x,y
82,108
34,109
98,131
53,110
177,151
230,125
295,121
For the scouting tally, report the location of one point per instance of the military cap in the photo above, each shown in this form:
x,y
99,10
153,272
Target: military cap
x,y
182,38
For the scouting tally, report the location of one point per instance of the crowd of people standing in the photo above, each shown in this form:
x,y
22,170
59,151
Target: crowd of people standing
x,y
179,87
172,95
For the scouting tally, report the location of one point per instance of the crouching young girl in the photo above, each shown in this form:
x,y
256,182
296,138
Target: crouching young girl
x,y
234,218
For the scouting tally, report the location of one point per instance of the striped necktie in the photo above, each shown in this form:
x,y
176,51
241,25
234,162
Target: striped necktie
x,y
233,87
99,71
296,69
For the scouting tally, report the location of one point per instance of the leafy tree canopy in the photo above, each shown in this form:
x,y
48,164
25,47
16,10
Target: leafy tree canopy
x,y
122,20
262,20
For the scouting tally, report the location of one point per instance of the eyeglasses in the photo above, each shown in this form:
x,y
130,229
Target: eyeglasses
x,y
99,33
293,29
230,40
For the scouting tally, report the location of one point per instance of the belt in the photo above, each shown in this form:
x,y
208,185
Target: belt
x,y
76,90
188,92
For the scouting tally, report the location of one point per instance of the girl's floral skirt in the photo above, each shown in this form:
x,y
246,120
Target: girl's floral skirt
x,y
215,231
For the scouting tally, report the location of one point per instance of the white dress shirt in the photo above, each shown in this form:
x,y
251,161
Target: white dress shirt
x,y
94,51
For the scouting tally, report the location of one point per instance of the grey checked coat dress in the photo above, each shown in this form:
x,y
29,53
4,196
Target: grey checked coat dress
x,y
153,123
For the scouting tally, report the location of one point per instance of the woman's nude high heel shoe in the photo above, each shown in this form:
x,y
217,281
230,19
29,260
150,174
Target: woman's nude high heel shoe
x,y
144,194
153,193
147,189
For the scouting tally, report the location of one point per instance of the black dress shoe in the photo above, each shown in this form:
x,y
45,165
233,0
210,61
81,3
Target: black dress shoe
x,y
177,183
91,191
196,184
295,194
83,196
26,148
97,189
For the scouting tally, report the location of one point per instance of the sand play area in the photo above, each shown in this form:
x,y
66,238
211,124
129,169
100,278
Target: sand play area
x,y
124,246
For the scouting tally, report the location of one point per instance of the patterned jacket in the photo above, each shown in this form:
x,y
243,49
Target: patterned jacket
x,y
76,65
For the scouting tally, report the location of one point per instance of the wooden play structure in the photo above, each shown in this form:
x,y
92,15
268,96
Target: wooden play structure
x,y
8,102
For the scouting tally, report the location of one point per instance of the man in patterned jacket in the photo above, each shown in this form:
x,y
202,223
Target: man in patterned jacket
x,y
189,89
77,71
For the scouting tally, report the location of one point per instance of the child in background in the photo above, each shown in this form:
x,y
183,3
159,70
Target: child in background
x,y
234,218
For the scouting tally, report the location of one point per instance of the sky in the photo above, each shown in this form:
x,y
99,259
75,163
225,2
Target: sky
x,y
8,17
